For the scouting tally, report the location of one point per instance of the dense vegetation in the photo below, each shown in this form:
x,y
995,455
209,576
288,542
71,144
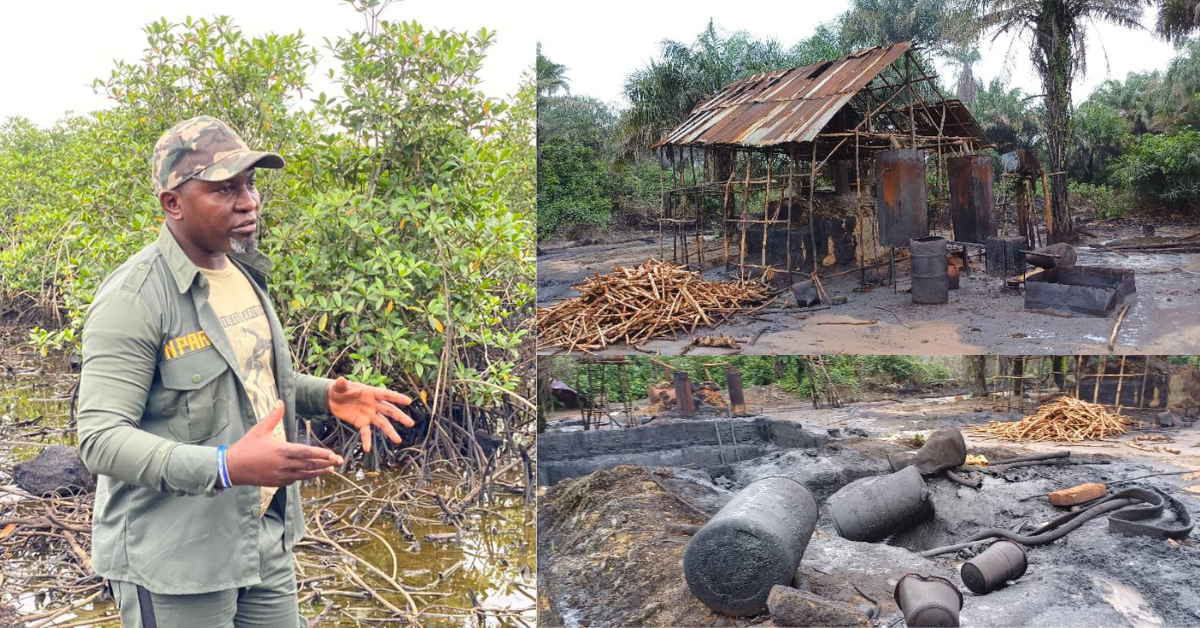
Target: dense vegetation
x,y
400,229
1129,145
849,372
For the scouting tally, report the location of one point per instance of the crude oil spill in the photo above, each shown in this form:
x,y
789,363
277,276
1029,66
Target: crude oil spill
x,y
490,565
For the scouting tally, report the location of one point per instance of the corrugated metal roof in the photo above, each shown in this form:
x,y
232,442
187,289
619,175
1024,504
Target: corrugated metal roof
x,y
784,106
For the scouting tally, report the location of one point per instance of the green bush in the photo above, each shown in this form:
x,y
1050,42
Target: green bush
x,y
400,229
1163,168
1108,201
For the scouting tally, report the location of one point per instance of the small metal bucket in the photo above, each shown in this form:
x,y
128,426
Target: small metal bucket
x,y
1004,560
928,601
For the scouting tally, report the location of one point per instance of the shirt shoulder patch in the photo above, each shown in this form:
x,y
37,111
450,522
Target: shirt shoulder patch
x,y
183,345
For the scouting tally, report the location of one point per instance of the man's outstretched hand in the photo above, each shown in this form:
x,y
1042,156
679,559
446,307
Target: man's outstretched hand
x,y
257,459
363,406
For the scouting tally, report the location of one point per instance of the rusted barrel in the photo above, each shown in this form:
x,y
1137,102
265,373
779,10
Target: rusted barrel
x,y
1002,561
943,449
930,278
871,509
1061,255
752,544
928,601
972,199
900,196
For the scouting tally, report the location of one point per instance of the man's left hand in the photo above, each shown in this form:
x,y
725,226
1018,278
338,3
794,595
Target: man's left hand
x,y
363,406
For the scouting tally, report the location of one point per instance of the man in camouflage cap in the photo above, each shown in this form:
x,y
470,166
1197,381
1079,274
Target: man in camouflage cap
x,y
188,405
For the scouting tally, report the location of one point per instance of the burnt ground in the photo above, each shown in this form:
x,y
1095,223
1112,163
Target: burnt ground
x,y
611,552
983,316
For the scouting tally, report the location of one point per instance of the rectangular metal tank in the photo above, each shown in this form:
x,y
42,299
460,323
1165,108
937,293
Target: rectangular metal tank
x,y
1091,290
972,199
900,196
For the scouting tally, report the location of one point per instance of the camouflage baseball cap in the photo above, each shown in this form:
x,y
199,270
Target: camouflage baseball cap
x,y
204,148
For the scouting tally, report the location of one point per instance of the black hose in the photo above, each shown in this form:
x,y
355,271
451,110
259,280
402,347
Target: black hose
x,y
1150,505
1049,456
1075,519
1004,466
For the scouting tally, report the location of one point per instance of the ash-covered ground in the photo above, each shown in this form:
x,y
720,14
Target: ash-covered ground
x,y
983,316
611,543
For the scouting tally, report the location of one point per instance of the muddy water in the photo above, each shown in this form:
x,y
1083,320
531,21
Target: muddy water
x,y
489,565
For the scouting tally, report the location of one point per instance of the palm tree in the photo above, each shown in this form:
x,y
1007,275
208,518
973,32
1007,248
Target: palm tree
x,y
966,87
1058,47
551,76
663,93
1177,19
882,22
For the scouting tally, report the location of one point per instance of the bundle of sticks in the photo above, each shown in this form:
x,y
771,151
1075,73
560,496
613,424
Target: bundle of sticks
x,y
1063,419
633,305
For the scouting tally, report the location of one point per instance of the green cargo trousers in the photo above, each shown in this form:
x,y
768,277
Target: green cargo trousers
x,y
271,604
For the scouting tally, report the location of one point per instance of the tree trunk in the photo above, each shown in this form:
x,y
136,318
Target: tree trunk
x,y
977,374
841,170
1056,67
1057,367
544,400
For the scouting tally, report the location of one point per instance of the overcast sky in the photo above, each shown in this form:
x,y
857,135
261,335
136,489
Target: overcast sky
x,y
51,52
601,46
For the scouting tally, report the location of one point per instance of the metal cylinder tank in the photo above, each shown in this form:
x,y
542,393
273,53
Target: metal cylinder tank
x,y
752,544
928,601
930,272
972,199
900,196
1002,561
872,509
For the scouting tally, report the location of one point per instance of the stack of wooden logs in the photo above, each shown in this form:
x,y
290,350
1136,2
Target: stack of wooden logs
x,y
1063,419
633,305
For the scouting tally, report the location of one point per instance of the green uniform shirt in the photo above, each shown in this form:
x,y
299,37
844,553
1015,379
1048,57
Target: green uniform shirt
x,y
159,392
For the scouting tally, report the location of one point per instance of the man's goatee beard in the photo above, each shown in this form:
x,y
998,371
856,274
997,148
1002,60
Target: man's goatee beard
x,y
244,245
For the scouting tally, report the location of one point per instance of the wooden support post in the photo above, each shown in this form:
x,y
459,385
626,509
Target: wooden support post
x,y
766,214
1120,382
683,394
737,399
1049,215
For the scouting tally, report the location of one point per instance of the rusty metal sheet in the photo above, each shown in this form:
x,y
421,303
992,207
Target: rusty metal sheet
x,y
785,106
900,196
795,105
972,199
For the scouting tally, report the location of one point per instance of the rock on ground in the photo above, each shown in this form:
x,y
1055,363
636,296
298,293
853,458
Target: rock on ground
x,y
793,607
58,469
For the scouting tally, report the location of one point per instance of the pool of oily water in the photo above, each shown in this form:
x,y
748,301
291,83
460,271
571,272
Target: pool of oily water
x,y
479,569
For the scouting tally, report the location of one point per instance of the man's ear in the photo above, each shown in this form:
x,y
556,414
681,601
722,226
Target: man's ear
x,y
172,203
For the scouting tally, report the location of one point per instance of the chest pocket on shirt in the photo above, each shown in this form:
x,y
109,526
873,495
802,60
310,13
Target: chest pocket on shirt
x,y
199,413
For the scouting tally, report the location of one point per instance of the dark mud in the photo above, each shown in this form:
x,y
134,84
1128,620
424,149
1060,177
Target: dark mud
x,y
983,316
611,553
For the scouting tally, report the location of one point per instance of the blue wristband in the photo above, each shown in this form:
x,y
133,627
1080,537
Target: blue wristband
x,y
222,469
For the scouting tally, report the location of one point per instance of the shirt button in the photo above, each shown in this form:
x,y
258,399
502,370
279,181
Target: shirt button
x,y
142,266
196,378
202,282
249,413
257,512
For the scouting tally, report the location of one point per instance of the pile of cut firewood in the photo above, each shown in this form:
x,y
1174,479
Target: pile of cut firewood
x,y
1063,419
633,305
